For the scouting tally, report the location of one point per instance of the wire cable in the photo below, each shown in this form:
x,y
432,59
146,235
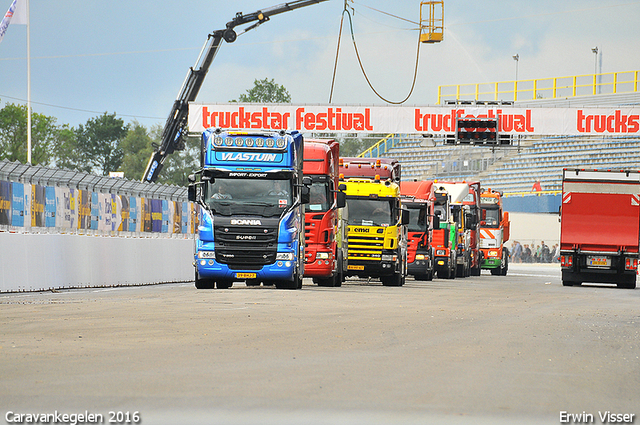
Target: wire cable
x,y
364,73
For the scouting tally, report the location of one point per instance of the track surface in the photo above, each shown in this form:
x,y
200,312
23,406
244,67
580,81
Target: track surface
x,y
483,349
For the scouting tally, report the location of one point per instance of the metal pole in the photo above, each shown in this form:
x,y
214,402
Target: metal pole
x,y
28,87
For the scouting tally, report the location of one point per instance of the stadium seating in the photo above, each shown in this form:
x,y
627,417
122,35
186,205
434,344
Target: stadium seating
x,y
513,169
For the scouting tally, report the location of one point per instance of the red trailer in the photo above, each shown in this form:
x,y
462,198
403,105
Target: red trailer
x,y
325,231
600,227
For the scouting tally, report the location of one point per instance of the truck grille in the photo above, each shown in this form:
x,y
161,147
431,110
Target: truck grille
x,y
365,247
246,246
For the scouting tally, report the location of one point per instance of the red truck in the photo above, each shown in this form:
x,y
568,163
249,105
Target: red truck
x,y
600,227
419,198
325,230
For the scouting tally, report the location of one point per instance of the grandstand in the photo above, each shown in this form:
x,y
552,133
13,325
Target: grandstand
x,y
513,169
516,168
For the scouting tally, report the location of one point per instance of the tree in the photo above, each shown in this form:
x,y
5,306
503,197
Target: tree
x,y
265,91
136,148
99,144
13,135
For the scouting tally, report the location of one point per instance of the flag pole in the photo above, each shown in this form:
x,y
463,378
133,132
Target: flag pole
x,y
28,87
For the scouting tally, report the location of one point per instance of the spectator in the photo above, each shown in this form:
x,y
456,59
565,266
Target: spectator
x,y
537,187
526,254
516,252
545,254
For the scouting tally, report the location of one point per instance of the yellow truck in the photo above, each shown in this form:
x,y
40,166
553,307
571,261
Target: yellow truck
x,y
377,228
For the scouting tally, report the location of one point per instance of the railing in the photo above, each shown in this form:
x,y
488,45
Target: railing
x,y
543,88
381,147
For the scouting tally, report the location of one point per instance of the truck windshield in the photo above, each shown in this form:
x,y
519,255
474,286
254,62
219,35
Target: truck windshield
x,y
319,198
248,196
491,217
417,218
370,212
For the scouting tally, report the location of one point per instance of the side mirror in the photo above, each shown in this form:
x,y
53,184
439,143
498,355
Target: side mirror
x,y
307,181
305,194
342,186
405,217
436,221
191,192
341,199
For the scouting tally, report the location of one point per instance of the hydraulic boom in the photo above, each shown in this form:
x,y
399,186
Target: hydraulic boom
x,y
176,124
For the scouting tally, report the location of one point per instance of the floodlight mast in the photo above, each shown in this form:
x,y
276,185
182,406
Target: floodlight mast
x,y
175,127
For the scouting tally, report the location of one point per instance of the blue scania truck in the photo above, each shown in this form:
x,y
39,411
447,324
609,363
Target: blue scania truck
x,y
251,192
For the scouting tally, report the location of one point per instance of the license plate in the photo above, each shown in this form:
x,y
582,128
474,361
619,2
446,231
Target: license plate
x,y
598,261
246,275
355,267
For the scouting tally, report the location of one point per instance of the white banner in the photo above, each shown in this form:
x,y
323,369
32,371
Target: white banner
x,y
412,119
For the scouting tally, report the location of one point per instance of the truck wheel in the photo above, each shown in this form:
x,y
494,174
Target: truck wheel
x,y
505,266
496,271
203,283
627,285
567,283
296,283
224,284
395,280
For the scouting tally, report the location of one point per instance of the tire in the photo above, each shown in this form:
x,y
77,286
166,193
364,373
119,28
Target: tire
x,y
505,268
204,283
395,280
496,271
627,285
567,283
224,284
296,283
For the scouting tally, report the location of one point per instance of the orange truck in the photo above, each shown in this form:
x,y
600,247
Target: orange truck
x,y
494,233
600,227
418,197
325,229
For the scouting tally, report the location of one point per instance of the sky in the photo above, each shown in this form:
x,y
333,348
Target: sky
x,y
131,58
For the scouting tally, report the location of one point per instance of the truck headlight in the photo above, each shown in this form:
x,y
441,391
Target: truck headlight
x,y
441,252
419,256
389,257
206,254
322,255
284,256
493,253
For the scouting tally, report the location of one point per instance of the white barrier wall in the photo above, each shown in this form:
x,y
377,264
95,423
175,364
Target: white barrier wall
x,y
33,262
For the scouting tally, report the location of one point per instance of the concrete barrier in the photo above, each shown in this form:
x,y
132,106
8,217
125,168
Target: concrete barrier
x,y
35,262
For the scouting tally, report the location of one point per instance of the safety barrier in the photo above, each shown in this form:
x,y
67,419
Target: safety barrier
x,y
65,229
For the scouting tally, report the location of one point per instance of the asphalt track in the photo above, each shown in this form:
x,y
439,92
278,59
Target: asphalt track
x,y
488,349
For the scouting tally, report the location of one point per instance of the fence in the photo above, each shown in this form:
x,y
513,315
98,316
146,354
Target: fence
x,y
65,229
47,200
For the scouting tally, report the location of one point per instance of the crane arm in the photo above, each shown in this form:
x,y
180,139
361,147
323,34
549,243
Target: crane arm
x,y
175,127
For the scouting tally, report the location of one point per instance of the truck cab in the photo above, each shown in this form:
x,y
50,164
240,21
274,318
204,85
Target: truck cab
x,y
377,229
418,197
444,235
325,217
251,195
494,233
